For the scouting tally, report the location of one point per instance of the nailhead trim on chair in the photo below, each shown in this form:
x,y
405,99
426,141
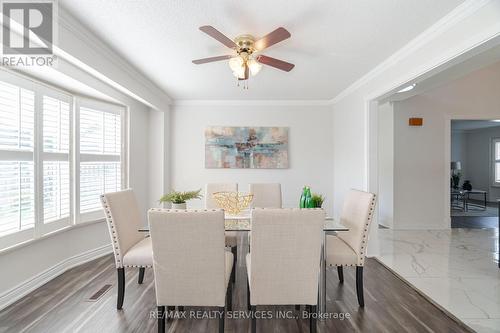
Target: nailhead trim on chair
x,y
141,266
361,259
109,219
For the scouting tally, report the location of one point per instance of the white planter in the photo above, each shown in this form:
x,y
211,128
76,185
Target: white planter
x,y
179,206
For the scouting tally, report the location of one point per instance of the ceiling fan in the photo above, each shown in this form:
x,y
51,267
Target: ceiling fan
x,y
246,61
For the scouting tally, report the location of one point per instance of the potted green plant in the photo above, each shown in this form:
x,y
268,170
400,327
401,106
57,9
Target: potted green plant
x,y
178,199
317,200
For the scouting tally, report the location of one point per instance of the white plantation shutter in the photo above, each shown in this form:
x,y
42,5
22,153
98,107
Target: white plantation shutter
x,y
97,178
100,154
56,124
55,159
56,191
17,107
17,200
17,181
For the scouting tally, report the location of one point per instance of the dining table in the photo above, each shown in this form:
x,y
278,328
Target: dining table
x,y
242,222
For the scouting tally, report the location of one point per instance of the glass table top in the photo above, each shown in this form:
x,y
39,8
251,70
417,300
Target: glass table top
x,y
243,223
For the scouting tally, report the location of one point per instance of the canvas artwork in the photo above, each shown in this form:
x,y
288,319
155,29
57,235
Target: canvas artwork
x,y
246,147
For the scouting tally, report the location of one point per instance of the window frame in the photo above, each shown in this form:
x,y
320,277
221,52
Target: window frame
x,y
22,236
89,157
45,228
41,229
494,161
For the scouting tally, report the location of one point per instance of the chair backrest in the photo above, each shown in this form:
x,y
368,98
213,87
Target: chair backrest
x,y
285,255
124,220
357,214
211,188
188,256
266,195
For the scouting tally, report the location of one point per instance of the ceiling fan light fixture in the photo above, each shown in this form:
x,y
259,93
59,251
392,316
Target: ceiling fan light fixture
x,y
254,66
243,61
237,65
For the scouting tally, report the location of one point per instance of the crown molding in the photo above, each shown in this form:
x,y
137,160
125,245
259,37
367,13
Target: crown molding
x,y
249,102
137,85
459,13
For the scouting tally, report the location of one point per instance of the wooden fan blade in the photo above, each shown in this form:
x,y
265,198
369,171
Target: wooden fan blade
x,y
272,38
276,63
216,34
211,59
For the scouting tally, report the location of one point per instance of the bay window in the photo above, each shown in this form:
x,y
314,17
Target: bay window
x,y
58,154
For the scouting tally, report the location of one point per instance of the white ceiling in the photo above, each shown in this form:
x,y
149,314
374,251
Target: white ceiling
x,y
333,43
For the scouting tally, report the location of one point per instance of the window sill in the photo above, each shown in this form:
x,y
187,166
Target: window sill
x,y
48,235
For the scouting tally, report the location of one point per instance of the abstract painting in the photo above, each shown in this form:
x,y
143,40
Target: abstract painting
x,y
246,147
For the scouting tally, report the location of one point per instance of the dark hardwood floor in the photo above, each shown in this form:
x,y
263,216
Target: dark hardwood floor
x,y
62,306
474,222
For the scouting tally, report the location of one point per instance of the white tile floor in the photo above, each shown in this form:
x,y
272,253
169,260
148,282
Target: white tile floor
x,y
457,268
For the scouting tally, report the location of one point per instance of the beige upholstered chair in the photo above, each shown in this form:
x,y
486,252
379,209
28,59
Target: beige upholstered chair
x,y
349,248
191,266
211,188
231,236
284,263
130,247
266,195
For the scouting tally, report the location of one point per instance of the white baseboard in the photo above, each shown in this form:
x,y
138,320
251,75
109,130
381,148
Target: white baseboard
x,y
26,287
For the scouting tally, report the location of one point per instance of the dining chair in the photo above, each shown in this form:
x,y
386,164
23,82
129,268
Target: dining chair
x,y
191,266
130,247
349,248
266,195
284,262
231,236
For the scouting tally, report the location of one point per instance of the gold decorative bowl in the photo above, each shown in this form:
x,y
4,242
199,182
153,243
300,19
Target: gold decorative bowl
x,y
232,202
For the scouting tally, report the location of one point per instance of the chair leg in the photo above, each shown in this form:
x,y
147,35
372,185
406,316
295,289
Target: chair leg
x,y
221,319
249,307
234,250
229,297
170,311
359,285
141,275
121,287
340,271
254,320
161,319
312,318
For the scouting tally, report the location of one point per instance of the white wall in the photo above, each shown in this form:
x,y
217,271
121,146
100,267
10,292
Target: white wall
x,y
479,154
310,148
421,168
159,155
386,165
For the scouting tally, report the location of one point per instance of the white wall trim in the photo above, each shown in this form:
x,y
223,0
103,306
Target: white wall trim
x,y
462,11
249,102
26,287
127,78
